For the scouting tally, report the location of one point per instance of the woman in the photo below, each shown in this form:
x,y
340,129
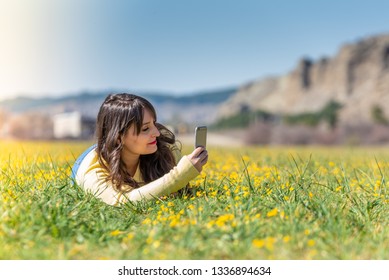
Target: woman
x,y
135,157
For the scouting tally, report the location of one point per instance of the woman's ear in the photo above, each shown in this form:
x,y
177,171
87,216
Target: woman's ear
x,y
119,139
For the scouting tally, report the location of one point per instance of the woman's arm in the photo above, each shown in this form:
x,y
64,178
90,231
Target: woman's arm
x,y
93,178
187,169
171,182
95,181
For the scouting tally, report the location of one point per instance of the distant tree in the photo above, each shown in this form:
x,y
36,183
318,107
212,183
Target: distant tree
x,y
378,115
243,119
310,119
330,113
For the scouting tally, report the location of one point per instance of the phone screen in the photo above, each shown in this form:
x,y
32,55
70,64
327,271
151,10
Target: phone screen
x,y
201,136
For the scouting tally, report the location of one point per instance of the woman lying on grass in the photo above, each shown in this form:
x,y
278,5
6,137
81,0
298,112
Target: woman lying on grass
x,y
135,157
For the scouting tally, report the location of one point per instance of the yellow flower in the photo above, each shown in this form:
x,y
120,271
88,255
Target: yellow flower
x,y
311,242
147,221
268,243
130,235
115,232
259,243
272,212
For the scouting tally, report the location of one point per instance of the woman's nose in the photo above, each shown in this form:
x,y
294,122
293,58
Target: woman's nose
x,y
156,132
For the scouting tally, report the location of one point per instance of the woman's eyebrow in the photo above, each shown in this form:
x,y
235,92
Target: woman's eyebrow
x,y
148,122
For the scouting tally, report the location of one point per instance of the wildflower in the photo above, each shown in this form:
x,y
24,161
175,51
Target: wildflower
x,y
259,243
268,243
311,242
130,236
222,220
147,221
115,232
272,212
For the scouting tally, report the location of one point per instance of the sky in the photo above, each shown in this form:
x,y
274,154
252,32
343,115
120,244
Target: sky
x,y
60,47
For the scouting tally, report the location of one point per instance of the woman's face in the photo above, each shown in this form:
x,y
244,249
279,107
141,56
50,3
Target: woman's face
x,y
144,143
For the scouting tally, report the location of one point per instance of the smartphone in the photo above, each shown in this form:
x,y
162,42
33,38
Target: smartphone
x,y
201,136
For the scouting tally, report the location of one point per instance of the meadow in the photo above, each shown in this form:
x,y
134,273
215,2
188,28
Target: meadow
x,y
249,203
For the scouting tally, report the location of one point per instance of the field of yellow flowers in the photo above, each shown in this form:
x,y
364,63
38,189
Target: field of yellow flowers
x,y
249,203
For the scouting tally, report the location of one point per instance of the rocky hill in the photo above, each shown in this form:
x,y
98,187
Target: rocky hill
x,y
357,77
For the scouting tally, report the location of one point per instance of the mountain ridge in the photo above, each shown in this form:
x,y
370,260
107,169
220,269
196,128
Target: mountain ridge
x,y
195,107
357,77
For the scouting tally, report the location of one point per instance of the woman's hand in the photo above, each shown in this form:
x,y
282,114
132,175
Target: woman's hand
x,y
199,158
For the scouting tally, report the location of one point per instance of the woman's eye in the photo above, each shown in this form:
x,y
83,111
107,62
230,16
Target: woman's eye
x,y
145,129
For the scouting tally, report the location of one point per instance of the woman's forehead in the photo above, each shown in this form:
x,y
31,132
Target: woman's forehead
x,y
148,116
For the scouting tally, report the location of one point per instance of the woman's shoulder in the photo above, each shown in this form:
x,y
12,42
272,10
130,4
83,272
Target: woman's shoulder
x,y
90,162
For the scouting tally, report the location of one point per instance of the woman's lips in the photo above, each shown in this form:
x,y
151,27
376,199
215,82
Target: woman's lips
x,y
153,143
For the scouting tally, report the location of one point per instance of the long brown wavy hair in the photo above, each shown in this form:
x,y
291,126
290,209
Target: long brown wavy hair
x,y
117,113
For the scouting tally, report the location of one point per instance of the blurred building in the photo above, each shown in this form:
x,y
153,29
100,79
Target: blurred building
x,y
73,125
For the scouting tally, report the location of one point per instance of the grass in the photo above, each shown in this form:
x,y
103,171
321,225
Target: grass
x,y
251,203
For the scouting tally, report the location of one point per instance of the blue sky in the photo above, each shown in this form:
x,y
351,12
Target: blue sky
x,y
57,47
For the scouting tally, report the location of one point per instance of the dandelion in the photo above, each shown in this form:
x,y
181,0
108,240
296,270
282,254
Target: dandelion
x,y
267,242
222,220
129,237
115,232
147,221
272,213
170,204
259,243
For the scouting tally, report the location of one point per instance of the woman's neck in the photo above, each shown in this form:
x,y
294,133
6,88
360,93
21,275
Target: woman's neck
x,y
131,162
